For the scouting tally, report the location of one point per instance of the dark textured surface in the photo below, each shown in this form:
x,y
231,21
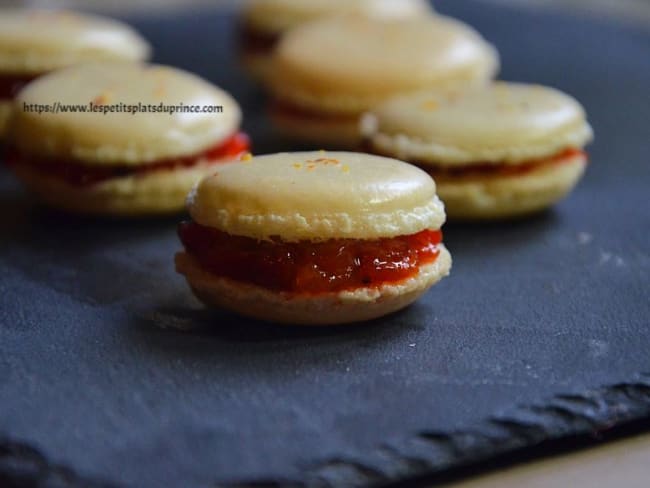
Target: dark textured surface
x,y
110,371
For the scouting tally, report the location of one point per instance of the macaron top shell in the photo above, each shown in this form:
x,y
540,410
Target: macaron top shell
x,y
317,196
276,16
500,123
120,137
34,41
351,63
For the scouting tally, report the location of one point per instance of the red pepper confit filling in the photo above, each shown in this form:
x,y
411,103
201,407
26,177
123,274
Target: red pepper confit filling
x,y
80,174
310,267
486,170
479,170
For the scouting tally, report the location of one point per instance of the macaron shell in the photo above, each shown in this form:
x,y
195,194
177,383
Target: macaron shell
x,y
498,197
122,138
306,309
351,64
35,41
155,193
500,123
276,16
317,196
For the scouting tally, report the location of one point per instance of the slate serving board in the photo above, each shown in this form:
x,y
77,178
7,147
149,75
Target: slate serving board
x,y
111,373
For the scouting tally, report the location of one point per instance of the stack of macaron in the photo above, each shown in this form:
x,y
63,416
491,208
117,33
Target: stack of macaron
x,y
60,74
328,72
34,42
420,88
320,237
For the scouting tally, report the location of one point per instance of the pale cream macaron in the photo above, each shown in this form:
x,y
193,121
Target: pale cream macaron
x,y
326,73
265,21
121,138
314,238
504,150
33,42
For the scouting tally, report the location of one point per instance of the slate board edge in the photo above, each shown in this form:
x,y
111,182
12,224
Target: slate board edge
x,y
565,415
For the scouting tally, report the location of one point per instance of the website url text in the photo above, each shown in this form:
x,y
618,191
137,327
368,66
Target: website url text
x,y
112,108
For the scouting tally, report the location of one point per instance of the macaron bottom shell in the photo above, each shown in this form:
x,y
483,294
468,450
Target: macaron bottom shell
x,y
333,308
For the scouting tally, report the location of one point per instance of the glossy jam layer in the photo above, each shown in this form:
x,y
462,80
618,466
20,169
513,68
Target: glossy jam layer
x,y
482,170
310,267
12,84
79,174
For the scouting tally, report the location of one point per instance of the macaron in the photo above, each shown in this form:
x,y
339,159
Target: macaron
x,y
328,72
505,150
121,138
265,21
313,238
34,42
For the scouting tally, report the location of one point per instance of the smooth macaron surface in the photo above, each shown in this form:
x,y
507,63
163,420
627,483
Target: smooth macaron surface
x,y
34,41
317,196
276,16
499,123
121,137
349,64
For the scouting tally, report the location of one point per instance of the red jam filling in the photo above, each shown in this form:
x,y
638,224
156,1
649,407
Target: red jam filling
x,y
12,84
310,267
486,169
80,174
